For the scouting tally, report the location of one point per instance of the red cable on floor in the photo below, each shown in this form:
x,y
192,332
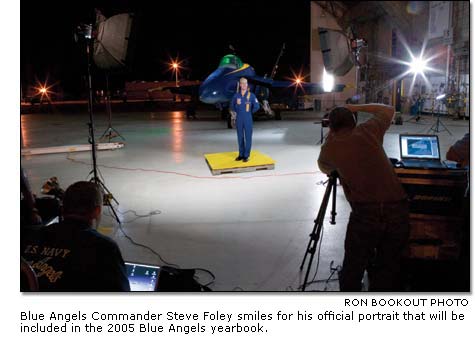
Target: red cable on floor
x,y
188,175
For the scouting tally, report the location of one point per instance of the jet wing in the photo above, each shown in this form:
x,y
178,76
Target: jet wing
x,y
188,90
307,87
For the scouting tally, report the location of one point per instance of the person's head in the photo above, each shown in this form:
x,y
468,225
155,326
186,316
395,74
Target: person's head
x,y
83,200
341,118
243,84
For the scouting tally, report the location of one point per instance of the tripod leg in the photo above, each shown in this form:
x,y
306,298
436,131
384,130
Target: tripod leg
x,y
109,196
108,191
320,216
110,132
333,212
312,237
312,251
315,235
107,134
117,133
445,127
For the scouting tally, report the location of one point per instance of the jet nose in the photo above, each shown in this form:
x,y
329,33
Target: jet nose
x,y
209,95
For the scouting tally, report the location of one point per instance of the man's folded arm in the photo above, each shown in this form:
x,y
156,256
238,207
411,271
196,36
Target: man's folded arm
x,y
383,115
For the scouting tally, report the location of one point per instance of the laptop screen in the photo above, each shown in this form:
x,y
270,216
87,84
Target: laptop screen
x,y
142,277
424,147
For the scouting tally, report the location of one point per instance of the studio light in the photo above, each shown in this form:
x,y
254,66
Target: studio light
x,y
417,66
328,81
112,39
440,97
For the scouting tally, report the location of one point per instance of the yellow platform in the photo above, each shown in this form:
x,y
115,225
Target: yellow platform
x,y
221,163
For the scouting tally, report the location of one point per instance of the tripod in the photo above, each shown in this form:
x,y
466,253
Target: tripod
x,y
317,228
111,132
107,194
436,125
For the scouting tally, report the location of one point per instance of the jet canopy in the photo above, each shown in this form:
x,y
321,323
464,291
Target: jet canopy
x,y
231,61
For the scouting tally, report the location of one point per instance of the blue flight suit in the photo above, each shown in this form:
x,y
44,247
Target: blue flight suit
x,y
244,106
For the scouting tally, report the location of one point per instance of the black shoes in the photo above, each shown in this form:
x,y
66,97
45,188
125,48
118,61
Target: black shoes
x,y
239,158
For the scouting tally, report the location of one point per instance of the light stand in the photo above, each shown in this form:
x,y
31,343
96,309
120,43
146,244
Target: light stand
x,y
317,228
107,194
436,125
111,132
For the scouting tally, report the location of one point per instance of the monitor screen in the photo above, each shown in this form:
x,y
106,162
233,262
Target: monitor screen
x,y
142,277
419,147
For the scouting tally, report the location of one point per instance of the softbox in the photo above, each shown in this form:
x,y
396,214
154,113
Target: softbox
x,y
337,56
112,41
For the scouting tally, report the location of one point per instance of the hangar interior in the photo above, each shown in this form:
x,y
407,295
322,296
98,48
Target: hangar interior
x,y
251,229
388,31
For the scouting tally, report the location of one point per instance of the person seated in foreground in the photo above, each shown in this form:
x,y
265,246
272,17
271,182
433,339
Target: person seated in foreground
x,y
72,255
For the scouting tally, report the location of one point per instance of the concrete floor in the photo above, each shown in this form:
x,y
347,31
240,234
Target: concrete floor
x,y
250,229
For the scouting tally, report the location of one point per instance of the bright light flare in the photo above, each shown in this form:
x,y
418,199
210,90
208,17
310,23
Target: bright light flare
x,y
328,81
418,65
297,80
175,65
43,90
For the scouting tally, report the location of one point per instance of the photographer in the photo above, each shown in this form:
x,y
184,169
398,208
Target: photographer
x,y
378,227
72,255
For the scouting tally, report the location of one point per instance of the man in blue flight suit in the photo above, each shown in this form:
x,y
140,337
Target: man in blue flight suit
x,y
244,104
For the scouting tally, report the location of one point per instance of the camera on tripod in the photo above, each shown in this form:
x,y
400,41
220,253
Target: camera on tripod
x,y
326,121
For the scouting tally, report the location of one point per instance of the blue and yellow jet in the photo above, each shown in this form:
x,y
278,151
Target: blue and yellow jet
x,y
219,87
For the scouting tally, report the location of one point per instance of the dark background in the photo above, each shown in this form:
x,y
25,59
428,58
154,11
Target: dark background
x,y
198,33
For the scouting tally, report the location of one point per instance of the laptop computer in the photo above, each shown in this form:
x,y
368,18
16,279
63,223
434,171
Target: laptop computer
x,y
142,277
420,151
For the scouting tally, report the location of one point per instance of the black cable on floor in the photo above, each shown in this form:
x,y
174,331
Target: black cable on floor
x,y
153,251
145,246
